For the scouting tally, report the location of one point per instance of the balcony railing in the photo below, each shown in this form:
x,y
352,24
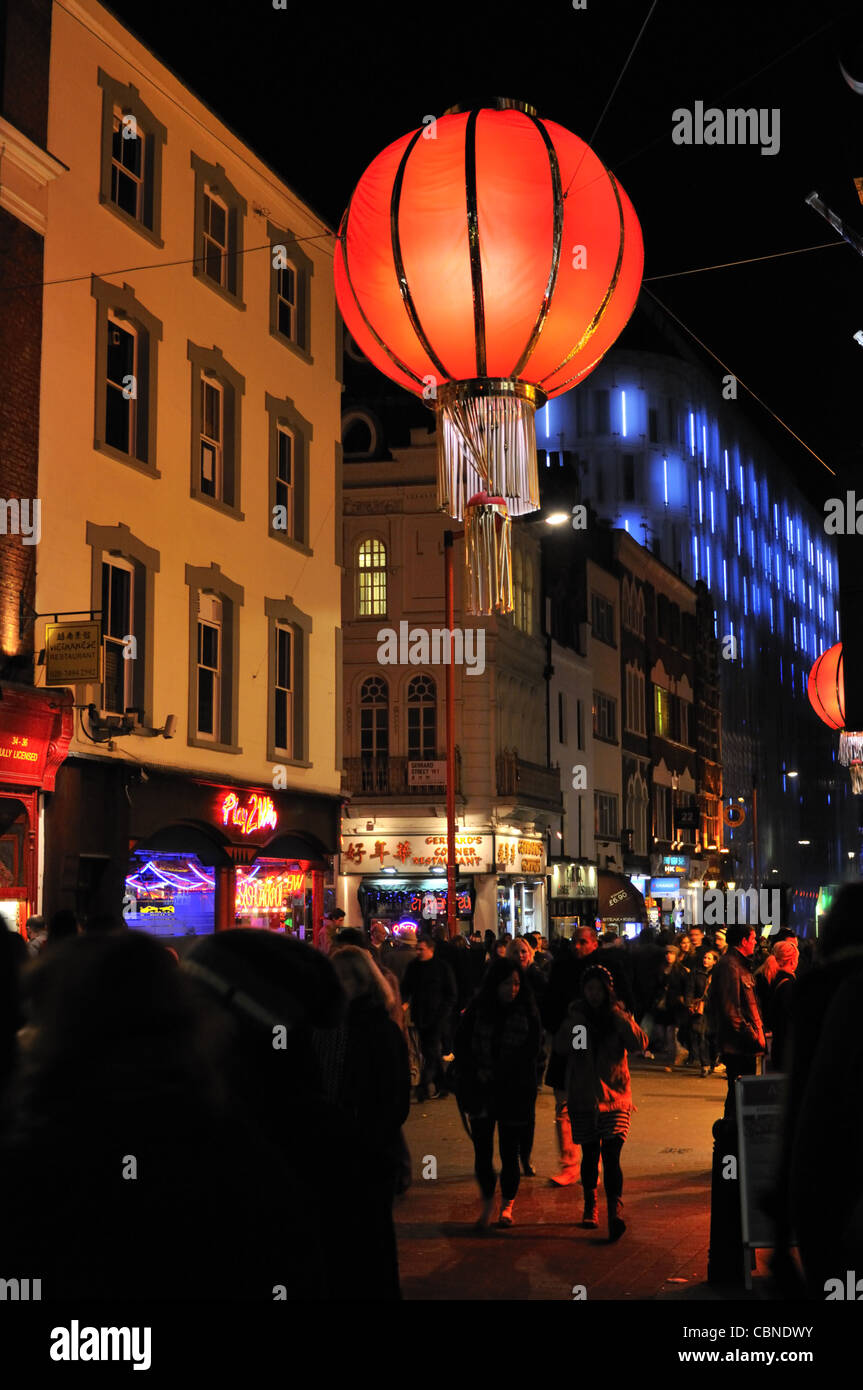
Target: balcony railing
x,y
532,784
378,775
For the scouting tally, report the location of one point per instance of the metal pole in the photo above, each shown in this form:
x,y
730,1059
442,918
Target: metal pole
x,y
448,538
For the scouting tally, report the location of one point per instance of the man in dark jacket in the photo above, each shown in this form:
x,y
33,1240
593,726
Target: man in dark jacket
x,y
734,1009
429,987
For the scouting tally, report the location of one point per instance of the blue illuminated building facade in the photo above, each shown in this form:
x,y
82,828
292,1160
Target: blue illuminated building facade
x,y
661,454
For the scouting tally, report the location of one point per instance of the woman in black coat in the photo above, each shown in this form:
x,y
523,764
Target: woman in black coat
x,y
496,1048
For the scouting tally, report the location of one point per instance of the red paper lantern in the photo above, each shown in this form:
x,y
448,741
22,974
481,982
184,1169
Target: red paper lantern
x,y
487,262
827,687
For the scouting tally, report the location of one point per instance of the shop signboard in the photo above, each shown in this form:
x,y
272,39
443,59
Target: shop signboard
x,y
665,887
73,653
675,864
34,736
427,774
408,851
519,854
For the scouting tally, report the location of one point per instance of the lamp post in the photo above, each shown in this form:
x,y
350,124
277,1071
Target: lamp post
x,y
449,618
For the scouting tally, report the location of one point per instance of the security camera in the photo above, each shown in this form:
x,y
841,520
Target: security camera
x,y
170,726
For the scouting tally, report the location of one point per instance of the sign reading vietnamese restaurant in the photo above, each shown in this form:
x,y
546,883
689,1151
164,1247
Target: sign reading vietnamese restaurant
x,y
73,653
255,812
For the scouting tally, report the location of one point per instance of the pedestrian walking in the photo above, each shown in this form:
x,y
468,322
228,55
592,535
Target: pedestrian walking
x,y
496,1046
780,1000
521,951
429,988
738,1025
596,1036
696,1000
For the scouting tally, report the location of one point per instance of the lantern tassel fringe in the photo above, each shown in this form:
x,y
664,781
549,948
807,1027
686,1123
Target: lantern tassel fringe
x,y
488,540
850,748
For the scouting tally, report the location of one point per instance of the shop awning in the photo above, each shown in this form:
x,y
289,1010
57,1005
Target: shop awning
x,y
619,900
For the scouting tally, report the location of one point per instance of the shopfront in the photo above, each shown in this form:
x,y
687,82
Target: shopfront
x,y
573,899
520,861
35,729
198,856
622,908
399,904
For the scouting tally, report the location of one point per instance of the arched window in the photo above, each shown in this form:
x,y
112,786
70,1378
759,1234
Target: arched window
x,y
639,613
375,733
422,718
636,812
626,603
371,579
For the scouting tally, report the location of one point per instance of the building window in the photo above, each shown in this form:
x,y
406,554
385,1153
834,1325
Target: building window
x,y
371,579
636,812
288,704
604,717
606,816
523,591
710,822
579,719
422,718
126,340
290,292
132,144
214,609
219,214
374,734
602,618
653,424
283,690
629,477
635,711
118,582
209,666
561,717
217,392
601,413
215,238
290,442
662,813
663,712
212,433
639,612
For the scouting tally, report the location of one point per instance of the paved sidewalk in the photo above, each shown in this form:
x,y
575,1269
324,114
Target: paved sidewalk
x,y
666,1168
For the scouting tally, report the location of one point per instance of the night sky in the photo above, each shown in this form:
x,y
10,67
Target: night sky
x,y
785,326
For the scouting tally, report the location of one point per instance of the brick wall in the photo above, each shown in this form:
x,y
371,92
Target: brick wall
x,y
25,50
20,355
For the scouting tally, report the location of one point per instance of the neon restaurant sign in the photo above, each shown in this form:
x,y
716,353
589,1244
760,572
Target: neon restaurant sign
x,y
256,812
267,894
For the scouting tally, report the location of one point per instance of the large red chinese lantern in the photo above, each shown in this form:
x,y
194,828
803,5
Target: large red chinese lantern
x,y
826,691
487,262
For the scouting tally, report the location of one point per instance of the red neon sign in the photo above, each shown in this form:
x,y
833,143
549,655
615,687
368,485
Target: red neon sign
x,y
258,812
267,894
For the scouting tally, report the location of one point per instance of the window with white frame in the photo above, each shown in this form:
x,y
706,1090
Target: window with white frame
x,y
121,401
209,664
635,708
215,234
212,473
606,816
286,300
127,164
118,593
371,578
284,480
422,718
602,618
283,691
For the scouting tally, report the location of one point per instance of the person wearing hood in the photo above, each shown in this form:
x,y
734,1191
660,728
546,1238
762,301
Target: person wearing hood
x,y
496,1047
596,1036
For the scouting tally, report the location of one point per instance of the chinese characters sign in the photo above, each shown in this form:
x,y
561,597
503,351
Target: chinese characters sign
x,y
409,852
516,855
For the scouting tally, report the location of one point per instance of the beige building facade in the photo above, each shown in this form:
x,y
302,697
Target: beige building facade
x,y
189,465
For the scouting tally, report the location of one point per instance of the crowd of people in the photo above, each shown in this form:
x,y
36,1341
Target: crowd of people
x,y
232,1122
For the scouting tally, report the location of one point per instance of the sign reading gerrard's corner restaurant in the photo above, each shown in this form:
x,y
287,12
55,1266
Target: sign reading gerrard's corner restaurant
x,y
411,852
73,653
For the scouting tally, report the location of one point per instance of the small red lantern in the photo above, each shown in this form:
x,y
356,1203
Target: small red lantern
x,y
827,687
487,262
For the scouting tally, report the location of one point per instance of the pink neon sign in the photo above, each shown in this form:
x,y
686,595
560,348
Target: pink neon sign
x,y
256,813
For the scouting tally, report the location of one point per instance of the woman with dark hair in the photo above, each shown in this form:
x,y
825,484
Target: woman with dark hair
x,y
497,1042
596,1036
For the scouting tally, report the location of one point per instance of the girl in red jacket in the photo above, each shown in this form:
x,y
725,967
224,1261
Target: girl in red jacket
x,y
596,1035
